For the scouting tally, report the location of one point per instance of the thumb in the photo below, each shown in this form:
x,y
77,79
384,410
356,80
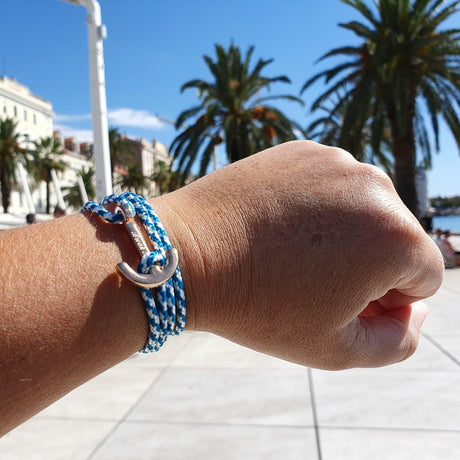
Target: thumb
x,y
387,338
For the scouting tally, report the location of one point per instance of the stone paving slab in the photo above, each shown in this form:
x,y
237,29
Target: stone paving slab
x,y
233,396
338,444
147,441
371,398
55,439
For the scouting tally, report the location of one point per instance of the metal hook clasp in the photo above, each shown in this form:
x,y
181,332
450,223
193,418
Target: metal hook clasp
x,y
157,275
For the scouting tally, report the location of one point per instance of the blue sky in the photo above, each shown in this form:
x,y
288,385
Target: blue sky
x,y
153,47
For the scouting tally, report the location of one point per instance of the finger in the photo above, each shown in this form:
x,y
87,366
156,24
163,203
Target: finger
x,y
395,299
387,338
424,277
421,277
374,308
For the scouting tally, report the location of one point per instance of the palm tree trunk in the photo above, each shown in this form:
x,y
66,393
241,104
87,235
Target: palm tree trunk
x,y
404,152
232,145
405,174
5,191
47,197
237,142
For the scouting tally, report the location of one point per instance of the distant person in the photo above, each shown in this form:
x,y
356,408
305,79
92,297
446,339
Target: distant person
x,y
447,235
31,219
451,255
439,235
58,212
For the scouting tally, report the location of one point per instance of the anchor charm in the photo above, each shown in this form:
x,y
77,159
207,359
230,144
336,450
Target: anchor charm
x,y
157,275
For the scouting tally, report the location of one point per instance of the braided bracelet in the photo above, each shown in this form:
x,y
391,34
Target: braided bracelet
x,y
157,269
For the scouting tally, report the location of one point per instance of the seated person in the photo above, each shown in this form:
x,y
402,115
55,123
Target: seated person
x,y
451,255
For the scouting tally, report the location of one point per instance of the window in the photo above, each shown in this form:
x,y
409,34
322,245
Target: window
x,y
35,118
15,111
25,115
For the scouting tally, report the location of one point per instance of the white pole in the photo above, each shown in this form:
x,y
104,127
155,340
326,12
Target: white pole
x,y
81,185
96,34
57,189
214,158
25,187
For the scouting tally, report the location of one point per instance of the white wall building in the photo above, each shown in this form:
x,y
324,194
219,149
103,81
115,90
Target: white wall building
x,y
34,117
33,114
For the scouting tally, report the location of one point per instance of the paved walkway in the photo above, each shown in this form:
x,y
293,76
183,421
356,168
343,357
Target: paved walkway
x,y
9,221
205,398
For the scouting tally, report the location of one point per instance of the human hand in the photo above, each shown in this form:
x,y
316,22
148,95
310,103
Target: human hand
x,y
306,254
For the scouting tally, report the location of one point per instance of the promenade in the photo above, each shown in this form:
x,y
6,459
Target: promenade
x,y
205,398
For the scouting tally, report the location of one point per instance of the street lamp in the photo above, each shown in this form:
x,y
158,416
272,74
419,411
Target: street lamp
x,y
96,34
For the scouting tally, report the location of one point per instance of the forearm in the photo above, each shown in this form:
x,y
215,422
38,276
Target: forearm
x,y
65,314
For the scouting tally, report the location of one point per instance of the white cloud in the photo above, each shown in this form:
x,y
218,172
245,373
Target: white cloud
x,y
135,118
82,135
122,117
64,118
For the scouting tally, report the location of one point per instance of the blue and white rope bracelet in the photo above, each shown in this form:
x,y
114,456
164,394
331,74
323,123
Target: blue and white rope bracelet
x,y
166,309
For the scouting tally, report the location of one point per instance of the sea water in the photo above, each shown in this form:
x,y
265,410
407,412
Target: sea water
x,y
451,223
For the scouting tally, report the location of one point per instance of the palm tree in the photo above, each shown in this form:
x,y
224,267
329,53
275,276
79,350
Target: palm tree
x,y
231,110
166,179
120,149
404,68
10,150
133,180
162,176
45,157
335,126
73,195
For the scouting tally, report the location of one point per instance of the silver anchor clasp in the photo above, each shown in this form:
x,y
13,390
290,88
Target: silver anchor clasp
x,y
157,275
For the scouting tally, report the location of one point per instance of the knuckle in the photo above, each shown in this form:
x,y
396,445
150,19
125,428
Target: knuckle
x,y
342,155
323,150
377,176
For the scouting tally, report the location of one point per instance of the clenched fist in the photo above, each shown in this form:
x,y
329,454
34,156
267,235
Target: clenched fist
x,y
306,254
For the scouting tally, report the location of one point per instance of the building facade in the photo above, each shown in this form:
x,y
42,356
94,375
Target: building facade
x,y
146,156
33,114
34,118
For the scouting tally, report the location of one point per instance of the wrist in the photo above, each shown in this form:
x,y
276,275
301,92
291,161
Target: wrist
x,y
178,230
206,241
